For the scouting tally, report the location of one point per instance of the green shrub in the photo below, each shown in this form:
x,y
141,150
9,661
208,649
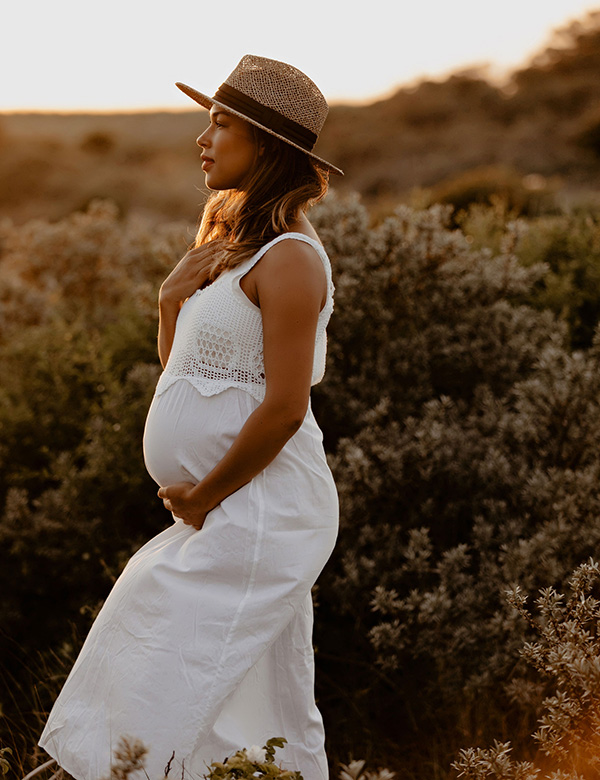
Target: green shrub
x,y
464,438
461,428
487,184
566,654
78,367
568,244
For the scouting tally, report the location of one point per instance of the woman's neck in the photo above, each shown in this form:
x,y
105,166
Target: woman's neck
x,y
302,225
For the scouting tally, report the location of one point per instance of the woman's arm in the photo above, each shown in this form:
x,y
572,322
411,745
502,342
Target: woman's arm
x,y
188,276
290,286
168,311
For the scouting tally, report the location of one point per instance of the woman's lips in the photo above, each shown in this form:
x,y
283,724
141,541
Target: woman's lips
x,y
206,163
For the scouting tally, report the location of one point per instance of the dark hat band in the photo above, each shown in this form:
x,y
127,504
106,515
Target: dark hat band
x,y
263,115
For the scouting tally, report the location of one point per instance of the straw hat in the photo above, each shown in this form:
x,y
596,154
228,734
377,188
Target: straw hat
x,y
277,98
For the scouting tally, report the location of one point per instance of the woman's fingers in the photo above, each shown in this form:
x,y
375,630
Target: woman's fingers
x,y
162,493
194,523
179,504
189,274
202,258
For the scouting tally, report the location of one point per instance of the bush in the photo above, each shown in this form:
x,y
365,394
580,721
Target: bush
x,y
464,437
98,142
567,655
488,184
568,244
462,432
77,370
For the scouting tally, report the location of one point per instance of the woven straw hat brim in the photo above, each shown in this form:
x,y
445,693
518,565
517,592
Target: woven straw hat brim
x,y
208,102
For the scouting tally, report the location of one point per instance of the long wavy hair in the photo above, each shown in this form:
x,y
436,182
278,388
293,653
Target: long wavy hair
x,y
282,183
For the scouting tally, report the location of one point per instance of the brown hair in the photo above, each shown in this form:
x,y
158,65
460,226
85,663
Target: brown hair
x,y
283,183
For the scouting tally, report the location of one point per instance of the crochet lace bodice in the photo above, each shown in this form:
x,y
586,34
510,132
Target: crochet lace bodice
x,y
218,339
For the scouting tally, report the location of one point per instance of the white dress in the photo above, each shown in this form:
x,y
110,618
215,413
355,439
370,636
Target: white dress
x,y
204,644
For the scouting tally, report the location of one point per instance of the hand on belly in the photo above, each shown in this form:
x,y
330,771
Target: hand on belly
x,y
181,500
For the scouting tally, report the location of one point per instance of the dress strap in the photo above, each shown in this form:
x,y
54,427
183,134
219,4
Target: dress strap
x,y
244,267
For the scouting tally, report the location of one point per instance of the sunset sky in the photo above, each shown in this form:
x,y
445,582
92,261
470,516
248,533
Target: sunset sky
x,y
124,54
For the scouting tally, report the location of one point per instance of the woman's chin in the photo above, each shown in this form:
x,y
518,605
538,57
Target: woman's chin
x,y
214,184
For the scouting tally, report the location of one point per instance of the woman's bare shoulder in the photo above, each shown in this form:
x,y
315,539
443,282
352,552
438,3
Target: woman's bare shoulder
x,y
293,252
290,263
291,268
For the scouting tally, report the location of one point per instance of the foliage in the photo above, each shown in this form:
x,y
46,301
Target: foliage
x,y
568,244
4,763
245,764
562,77
420,315
353,770
567,652
461,427
521,195
83,267
253,762
77,371
460,407
464,445
588,133
98,143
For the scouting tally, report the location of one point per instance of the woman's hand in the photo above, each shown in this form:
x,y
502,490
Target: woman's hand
x,y
190,273
181,499
188,276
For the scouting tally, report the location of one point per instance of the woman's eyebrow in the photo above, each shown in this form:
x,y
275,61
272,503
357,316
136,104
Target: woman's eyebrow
x,y
219,113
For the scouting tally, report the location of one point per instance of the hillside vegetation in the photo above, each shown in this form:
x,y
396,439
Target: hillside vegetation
x,y
461,139
460,409
544,121
461,425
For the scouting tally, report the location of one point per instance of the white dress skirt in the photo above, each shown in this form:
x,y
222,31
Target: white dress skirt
x,y
204,645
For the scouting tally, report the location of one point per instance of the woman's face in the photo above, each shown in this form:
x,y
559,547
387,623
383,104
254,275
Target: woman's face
x,y
228,150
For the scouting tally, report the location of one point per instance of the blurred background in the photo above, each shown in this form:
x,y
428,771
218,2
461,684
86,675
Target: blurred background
x,y
435,102
460,407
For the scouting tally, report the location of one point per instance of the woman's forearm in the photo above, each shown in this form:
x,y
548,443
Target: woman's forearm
x,y
167,319
189,275
261,438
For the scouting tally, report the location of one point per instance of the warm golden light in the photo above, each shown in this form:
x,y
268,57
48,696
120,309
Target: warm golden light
x,y
66,56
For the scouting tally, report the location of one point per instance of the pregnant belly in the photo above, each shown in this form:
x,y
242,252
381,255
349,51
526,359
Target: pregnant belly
x,y
187,433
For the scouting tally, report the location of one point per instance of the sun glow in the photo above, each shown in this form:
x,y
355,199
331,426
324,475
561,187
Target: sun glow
x,y
67,57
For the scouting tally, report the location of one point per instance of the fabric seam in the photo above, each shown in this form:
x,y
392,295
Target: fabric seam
x,y
242,604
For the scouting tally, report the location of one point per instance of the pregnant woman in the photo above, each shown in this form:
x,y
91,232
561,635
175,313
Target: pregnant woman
x,y
204,644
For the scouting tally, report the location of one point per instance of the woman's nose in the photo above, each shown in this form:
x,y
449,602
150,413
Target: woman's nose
x,y
201,141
